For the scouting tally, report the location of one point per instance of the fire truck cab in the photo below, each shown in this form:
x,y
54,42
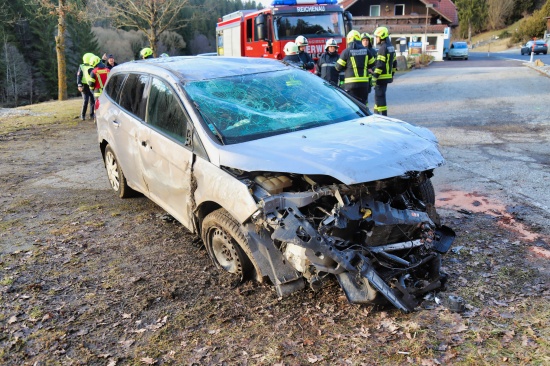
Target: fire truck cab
x,y
264,33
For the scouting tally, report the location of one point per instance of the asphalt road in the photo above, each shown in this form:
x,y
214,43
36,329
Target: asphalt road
x,y
492,117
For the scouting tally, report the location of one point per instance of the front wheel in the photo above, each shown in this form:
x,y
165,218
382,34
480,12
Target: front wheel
x,y
226,244
115,174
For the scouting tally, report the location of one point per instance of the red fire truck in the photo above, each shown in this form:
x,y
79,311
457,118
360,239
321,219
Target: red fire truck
x,y
264,33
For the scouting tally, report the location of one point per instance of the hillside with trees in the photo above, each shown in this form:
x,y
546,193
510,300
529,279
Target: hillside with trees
x,y
476,16
43,40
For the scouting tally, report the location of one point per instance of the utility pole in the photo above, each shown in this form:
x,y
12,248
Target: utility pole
x,y
425,43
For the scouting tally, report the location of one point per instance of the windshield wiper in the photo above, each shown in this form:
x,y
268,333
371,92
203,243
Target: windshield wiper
x,y
212,126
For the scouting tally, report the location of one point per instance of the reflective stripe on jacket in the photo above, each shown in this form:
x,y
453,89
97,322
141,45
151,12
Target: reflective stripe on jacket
x,y
100,73
355,60
386,64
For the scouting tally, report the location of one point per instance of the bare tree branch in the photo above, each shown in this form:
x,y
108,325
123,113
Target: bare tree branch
x,y
152,17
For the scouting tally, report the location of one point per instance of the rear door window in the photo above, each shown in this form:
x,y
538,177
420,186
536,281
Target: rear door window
x,y
133,97
114,86
165,112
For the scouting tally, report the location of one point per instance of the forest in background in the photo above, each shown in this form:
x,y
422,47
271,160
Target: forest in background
x,y
28,31
30,65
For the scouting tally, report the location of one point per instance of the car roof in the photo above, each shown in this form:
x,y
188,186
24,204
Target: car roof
x,y
195,68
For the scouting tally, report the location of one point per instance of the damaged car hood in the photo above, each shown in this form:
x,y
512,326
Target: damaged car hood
x,y
361,150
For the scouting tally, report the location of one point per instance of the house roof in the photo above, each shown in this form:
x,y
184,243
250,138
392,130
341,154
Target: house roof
x,y
446,8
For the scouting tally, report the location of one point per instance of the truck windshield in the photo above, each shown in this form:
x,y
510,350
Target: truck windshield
x,y
315,25
248,107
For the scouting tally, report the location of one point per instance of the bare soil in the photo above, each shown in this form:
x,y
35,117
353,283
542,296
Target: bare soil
x,y
87,278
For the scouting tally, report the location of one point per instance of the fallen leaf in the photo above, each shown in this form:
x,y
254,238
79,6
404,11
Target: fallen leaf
x,y
126,316
508,336
111,363
12,319
308,342
148,360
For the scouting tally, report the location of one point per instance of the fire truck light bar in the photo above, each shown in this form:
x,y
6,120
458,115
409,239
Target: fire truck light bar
x,y
303,2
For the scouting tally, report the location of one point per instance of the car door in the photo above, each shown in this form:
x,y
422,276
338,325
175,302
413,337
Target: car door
x,y
166,156
128,125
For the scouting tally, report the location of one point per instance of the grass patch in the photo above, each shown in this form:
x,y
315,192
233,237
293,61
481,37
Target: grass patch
x,y
6,281
41,115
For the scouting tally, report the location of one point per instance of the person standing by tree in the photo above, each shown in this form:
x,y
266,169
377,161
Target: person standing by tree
x,y
109,61
384,68
82,80
98,76
326,65
355,62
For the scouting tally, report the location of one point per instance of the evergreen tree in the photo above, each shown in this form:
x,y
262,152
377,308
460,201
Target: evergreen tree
x,y
471,16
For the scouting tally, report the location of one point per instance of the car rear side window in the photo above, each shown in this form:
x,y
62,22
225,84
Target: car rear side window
x,y
133,97
115,85
165,112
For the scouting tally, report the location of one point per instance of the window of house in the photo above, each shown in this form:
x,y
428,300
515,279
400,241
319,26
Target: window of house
x,y
399,9
432,44
375,10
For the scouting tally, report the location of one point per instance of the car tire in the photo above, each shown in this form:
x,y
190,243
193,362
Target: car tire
x,y
465,58
425,191
116,176
449,58
226,244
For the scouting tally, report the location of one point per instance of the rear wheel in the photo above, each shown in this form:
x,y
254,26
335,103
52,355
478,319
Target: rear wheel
x,y
226,244
115,174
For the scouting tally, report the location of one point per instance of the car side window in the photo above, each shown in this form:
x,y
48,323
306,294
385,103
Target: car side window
x,y
165,112
114,86
133,97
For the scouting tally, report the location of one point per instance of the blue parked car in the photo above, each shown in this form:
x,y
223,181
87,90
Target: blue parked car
x,y
457,50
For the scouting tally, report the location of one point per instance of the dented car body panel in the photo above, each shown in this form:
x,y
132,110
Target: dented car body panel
x,y
281,188
340,150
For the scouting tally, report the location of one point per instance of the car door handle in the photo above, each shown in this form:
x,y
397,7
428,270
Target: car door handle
x,y
116,123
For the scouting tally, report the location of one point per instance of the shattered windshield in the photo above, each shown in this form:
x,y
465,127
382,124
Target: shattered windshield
x,y
248,107
321,25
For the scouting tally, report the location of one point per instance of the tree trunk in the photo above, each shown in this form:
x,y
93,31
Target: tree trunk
x,y
60,50
470,33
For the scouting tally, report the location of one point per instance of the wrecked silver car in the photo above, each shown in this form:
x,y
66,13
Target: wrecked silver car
x,y
285,177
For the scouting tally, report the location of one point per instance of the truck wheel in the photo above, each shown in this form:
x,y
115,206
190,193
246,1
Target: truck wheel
x,y
224,242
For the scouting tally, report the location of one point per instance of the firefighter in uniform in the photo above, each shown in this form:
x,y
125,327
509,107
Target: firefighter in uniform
x,y
355,61
305,57
326,65
82,80
98,76
146,53
291,55
384,68
366,41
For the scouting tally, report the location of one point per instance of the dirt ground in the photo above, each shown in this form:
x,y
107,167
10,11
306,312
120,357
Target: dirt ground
x,y
87,278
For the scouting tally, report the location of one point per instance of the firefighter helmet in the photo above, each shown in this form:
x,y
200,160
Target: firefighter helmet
x,y
146,52
164,55
94,60
301,41
86,58
381,32
365,35
331,42
290,48
353,36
